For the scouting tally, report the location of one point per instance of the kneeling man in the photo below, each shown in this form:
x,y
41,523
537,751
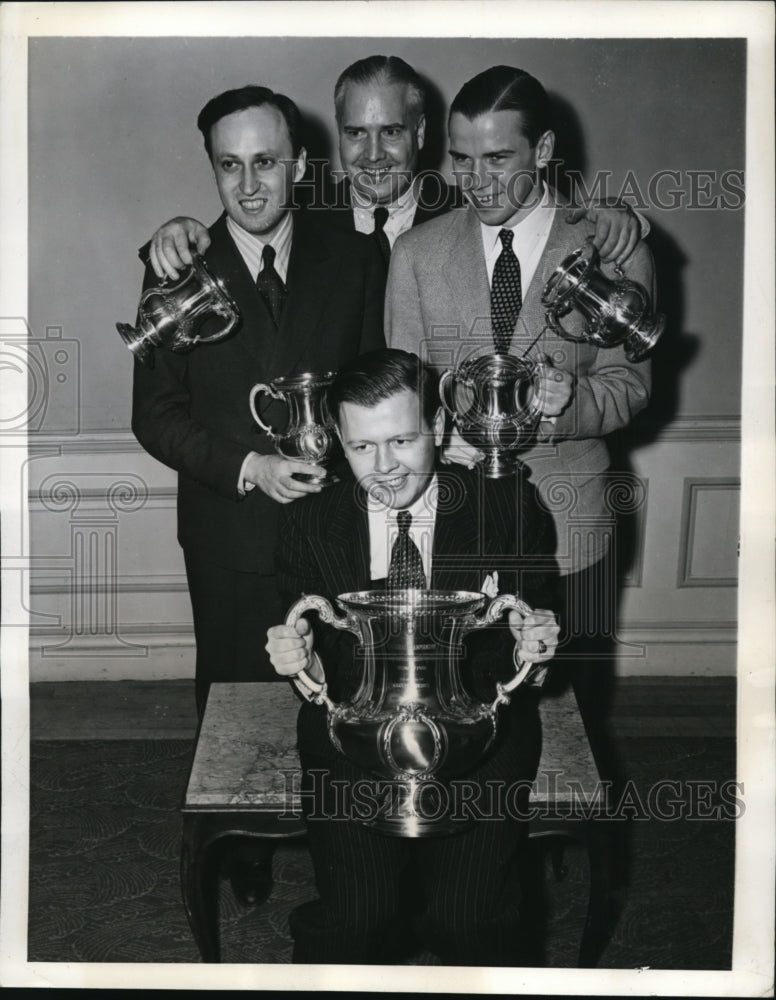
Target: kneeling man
x,y
450,529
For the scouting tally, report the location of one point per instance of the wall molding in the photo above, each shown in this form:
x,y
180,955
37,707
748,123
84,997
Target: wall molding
x,y
684,427
692,488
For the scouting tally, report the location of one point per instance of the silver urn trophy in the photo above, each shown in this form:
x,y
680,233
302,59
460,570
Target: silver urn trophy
x,y
411,722
493,401
309,433
615,312
195,310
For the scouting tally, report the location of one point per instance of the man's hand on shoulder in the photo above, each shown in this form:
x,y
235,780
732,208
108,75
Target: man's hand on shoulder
x,y
274,475
617,230
171,245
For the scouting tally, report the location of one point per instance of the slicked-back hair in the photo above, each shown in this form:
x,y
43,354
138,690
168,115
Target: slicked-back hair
x,y
382,70
243,98
376,376
505,88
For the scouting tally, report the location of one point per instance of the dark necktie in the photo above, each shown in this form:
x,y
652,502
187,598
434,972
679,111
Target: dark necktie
x,y
506,294
270,287
406,569
381,217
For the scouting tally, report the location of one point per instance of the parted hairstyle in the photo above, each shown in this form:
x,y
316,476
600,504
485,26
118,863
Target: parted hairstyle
x,y
505,88
376,376
382,70
243,98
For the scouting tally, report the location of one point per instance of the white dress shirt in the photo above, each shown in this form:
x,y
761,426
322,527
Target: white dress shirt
x,y
383,530
400,214
530,238
251,247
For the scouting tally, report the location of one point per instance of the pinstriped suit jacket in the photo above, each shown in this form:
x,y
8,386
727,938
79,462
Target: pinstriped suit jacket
x,y
481,525
438,305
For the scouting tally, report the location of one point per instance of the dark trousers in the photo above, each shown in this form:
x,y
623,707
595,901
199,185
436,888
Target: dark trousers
x,y
381,896
587,650
232,612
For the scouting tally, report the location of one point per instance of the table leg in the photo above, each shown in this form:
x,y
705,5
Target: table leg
x,y
199,884
601,915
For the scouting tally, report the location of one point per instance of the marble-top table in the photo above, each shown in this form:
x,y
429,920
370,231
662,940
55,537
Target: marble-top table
x,y
244,780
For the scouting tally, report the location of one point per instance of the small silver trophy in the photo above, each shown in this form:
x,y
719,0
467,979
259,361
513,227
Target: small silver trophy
x,y
309,433
493,402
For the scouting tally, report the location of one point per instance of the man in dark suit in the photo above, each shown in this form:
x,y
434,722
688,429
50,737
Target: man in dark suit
x,y
310,298
380,109
465,532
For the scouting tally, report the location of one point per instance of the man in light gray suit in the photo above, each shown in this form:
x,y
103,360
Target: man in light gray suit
x,y
471,282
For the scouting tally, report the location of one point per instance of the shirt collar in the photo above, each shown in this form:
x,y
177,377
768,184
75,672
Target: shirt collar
x,y
407,201
422,510
536,220
253,245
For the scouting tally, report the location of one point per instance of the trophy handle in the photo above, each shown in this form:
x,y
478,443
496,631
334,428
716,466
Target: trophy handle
x,y
260,387
313,602
558,328
444,383
492,613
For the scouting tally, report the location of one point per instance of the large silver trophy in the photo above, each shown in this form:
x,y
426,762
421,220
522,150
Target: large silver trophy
x,y
309,433
196,310
493,401
615,312
411,720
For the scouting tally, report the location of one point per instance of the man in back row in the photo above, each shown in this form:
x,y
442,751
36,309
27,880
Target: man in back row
x,y
380,111
472,281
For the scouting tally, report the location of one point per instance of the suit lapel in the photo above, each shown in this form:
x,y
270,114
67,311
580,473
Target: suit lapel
x,y
311,278
254,337
465,271
342,548
456,532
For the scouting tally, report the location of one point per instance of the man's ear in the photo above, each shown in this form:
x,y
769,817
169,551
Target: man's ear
x,y
545,147
300,165
420,131
439,426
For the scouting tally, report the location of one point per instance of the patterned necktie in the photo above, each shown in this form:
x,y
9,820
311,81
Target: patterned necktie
x,y
381,217
406,569
269,284
506,294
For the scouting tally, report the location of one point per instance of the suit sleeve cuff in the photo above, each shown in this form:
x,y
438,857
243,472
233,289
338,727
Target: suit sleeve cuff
x,y
244,487
307,693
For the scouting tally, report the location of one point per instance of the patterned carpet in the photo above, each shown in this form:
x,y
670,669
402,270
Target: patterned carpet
x,y
104,853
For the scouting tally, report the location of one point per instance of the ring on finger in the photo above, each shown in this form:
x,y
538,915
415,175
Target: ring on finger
x,y
542,647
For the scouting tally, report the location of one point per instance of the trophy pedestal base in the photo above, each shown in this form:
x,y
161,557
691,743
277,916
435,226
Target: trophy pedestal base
x,y
326,480
416,808
498,464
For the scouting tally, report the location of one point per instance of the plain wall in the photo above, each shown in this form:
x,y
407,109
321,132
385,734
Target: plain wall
x,y
114,151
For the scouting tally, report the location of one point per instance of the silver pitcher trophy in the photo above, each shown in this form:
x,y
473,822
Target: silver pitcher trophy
x,y
173,316
309,433
615,312
411,719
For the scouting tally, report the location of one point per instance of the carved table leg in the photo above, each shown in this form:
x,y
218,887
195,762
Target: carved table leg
x,y
199,884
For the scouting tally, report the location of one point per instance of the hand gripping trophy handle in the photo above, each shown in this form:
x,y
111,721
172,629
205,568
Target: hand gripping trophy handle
x,y
260,387
490,616
312,602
